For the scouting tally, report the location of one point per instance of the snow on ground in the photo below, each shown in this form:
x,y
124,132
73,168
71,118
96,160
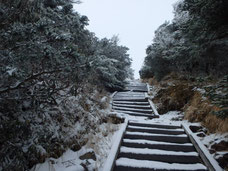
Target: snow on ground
x,y
213,138
100,143
115,146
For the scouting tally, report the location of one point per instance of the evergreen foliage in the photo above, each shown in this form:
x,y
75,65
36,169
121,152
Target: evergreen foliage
x,y
195,42
47,54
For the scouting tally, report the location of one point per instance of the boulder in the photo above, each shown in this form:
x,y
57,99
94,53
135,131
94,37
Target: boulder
x,y
88,155
221,146
223,161
195,128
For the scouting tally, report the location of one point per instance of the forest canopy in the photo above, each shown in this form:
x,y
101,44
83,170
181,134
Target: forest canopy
x,y
194,43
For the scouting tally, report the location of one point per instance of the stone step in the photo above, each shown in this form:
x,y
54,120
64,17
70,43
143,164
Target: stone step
x,y
162,158
153,125
133,106
170,139
156,131
135,113
131,103
129,168
168,147
150,116
147,111
130,99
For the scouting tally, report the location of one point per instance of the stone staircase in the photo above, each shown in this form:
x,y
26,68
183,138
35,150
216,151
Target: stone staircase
x,y
148,146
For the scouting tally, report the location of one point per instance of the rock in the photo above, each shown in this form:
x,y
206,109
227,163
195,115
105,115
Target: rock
x,y
223,161
88,155
204,130
75,147
221,146
194,128
212,151
201,134
84,166
115,119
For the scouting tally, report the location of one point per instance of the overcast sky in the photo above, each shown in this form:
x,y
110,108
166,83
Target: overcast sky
x,y
134,21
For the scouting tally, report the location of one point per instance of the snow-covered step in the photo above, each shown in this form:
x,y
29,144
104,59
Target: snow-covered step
x,y
152,134
124,149
138,141
153,125
131,99
130,102
149,111
133,113
136,85
130,94
136,114
169,157
136,89
158,137
126,164
133,106
155,131
153,128
187,147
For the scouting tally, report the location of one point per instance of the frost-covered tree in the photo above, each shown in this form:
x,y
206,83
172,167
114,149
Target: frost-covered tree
x,y
195,42
47,55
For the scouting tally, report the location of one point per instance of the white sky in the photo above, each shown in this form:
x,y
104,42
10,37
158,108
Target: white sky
x,y
134,21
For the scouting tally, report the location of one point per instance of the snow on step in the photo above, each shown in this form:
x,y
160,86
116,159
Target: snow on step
x,y
131,99
146,124
132,109
127,92
130,102
155,151
133,106
150,128
139,141
157,165
130,95
150,134
134,113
